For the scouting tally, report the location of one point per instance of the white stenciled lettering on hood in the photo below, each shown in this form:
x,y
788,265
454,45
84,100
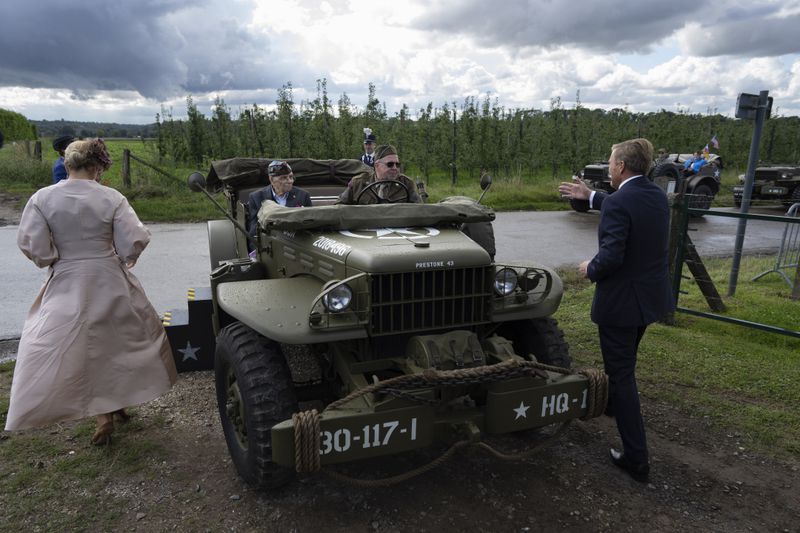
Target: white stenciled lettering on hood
x,y
332,246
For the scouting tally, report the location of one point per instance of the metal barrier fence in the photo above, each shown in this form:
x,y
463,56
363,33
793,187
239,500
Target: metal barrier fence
x,y
680,256
789,253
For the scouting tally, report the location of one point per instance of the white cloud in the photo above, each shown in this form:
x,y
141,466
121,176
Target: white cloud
x,y
523,52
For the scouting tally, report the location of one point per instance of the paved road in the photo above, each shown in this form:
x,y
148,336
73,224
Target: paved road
x,y
177,257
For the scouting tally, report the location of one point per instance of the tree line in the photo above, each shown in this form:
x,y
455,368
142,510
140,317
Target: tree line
x,y
458,137
55,128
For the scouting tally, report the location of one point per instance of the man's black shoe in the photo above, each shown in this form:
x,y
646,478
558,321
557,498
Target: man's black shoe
x,y
638,471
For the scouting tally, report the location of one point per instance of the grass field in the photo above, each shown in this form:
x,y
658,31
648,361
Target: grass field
x,y
744,380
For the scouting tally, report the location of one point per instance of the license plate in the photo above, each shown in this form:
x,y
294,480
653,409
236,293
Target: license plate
x,y
351,435
514,410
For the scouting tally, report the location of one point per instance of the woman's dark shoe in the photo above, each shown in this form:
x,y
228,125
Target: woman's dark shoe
x,y
121,416
102,435
638,471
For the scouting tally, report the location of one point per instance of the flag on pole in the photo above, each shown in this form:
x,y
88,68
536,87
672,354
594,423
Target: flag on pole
x,y
715,142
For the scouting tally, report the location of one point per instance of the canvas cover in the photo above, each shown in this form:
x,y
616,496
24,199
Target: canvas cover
x,y
247,172
340,217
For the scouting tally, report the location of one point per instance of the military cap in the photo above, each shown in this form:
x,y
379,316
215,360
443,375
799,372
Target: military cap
x,y
61,143
384,150
279,168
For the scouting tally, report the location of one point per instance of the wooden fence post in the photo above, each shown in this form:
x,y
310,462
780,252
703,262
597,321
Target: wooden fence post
x,y
126,168
37,150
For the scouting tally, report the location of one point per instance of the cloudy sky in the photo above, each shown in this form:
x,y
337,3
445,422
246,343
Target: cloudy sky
x,y
120,61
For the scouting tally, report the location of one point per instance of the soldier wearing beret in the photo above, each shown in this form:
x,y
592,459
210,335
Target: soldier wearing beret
x,y
398,187
59,145
280,190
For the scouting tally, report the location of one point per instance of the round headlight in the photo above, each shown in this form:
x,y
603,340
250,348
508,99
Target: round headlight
x,y
338,299
505,281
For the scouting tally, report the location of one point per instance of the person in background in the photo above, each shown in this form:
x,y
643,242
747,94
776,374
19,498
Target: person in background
x,y
92,343
398,187
694,164
59,145
633,287
368,157
280,190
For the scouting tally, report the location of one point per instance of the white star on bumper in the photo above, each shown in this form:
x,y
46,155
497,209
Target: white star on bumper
x,y
522,410
188,352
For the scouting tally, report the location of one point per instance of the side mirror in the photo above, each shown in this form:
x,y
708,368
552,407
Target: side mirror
x,y
486,181
197,182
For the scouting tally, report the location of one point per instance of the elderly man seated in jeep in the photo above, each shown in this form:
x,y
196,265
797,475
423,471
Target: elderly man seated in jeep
x,y
384,184
280,190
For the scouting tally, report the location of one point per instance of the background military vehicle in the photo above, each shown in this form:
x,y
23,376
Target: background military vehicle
x,y
416,335
772,183
668,173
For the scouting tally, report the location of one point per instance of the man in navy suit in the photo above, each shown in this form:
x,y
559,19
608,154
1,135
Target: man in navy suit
x,y
281,190
633,285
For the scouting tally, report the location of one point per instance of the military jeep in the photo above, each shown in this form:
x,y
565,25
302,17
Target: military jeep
x,y
419,338
772,183
668,173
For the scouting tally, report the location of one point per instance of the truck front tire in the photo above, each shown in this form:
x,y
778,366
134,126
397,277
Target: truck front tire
x,y
538,336
254,392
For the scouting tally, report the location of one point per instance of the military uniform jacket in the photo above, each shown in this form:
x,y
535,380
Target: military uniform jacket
x,y
368,159
395,192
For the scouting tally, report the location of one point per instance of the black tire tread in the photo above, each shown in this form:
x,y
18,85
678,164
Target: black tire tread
x,y
702,196
665,168
538,336
265,384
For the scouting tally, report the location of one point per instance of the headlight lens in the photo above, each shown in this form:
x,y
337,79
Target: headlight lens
x,y
505,281
338,299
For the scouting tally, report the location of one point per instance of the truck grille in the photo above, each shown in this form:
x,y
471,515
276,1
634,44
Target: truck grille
x,y
594,173
430,299
767,175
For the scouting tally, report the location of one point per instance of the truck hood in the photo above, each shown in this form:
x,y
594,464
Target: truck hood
x,y
408,249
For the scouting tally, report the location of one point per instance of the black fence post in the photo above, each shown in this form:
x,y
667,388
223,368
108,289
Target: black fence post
x,y
126,168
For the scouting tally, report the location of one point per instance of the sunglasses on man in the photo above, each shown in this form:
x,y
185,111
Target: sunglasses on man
x,y
391,164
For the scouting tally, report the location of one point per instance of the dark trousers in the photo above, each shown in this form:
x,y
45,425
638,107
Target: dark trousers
x,y
619,346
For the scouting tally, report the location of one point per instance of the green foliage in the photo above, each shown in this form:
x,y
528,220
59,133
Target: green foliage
x,y
19,171
15,127
462,139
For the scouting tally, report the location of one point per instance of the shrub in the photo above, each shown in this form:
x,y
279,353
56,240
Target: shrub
x,y
18,169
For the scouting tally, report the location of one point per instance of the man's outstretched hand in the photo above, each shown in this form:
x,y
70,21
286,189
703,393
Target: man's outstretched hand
x,y
575,190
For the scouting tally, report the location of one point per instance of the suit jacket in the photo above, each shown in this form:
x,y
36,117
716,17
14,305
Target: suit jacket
x,y
296,198
631,266
368,159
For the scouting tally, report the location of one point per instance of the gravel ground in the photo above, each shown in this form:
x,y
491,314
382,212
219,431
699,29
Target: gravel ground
x,y
701,480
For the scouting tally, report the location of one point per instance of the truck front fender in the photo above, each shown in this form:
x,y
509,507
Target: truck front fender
x,y
269,306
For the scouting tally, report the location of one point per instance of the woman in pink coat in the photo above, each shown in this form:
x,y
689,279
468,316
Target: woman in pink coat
x,y
92,344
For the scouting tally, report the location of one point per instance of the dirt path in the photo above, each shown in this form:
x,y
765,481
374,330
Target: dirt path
x,y
701,481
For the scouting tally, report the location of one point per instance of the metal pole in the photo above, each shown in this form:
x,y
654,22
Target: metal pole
x,y
455,141
748,190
